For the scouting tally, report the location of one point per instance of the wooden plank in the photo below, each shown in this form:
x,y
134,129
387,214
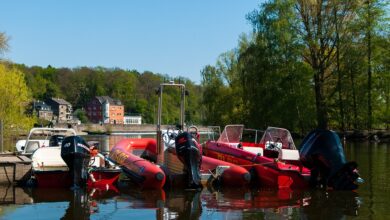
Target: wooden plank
x,y
7,174
14,159
25,159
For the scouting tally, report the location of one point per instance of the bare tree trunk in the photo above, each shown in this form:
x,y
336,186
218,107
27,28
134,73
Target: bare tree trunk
x,y
341,107
322,117
369,82
369,71
354,99
387,92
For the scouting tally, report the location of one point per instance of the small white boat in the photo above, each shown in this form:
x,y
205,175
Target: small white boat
x,y
43,137
51,169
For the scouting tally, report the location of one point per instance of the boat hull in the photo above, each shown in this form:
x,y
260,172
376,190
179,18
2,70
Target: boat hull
x,y
234,175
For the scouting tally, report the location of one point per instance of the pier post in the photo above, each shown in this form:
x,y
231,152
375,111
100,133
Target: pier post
x,y
1,136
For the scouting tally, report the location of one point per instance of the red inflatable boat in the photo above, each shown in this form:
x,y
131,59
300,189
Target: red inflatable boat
x,y
141,171
274,160
277,163
147,174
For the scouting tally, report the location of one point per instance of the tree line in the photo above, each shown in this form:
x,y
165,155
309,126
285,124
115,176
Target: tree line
x,y
307,64
136,91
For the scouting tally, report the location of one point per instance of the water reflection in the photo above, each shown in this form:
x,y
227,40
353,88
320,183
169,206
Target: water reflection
x,y
332,204
371,200
181,205
129,200
81,202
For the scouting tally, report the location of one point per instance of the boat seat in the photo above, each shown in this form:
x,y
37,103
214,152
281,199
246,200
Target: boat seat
x,y
255,150
234,145
287,154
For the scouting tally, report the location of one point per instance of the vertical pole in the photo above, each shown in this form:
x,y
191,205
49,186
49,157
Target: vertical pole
x,y
160,147
182,110
1,135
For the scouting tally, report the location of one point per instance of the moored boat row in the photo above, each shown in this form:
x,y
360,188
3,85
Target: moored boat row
x,y
176,158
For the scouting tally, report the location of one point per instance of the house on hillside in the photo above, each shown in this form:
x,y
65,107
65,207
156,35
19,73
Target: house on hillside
x,y
104,109
42,110
62,110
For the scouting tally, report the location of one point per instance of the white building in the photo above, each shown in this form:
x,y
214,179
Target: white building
x,y
132,119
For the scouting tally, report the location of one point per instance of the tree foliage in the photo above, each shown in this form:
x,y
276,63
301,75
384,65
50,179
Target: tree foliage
x,y
14,99
305,66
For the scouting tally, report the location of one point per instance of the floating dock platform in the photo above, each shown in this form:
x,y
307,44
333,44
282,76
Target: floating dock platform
x,y
14,169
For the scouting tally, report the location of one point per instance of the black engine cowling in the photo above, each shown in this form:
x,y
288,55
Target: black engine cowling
x,y
189,153
75,152
322,152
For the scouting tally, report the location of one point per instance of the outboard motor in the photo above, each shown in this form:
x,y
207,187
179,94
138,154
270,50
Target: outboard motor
x,y
76,154
189,153
322,152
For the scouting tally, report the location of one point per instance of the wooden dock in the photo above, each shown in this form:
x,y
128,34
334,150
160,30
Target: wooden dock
x,y
14,169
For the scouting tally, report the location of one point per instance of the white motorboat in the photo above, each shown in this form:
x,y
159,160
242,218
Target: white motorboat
x,y
43,137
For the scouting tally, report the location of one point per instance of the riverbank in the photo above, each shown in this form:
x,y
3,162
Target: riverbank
x,y
107,129
365,135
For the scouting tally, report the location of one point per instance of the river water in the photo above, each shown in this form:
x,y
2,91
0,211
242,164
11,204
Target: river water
x,y
370,201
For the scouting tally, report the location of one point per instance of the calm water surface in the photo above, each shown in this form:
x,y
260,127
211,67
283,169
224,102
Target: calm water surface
x,y
370,201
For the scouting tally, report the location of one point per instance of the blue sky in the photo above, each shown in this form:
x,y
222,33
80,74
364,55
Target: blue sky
x,y
174,37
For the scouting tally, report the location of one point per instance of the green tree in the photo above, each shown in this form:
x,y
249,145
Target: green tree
x,y
372,13
14,101
317,29
213,96
275,81
81,115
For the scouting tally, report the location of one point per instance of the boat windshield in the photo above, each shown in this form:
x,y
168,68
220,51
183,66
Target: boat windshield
x,y
231,134
213,132
278,137
48,133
